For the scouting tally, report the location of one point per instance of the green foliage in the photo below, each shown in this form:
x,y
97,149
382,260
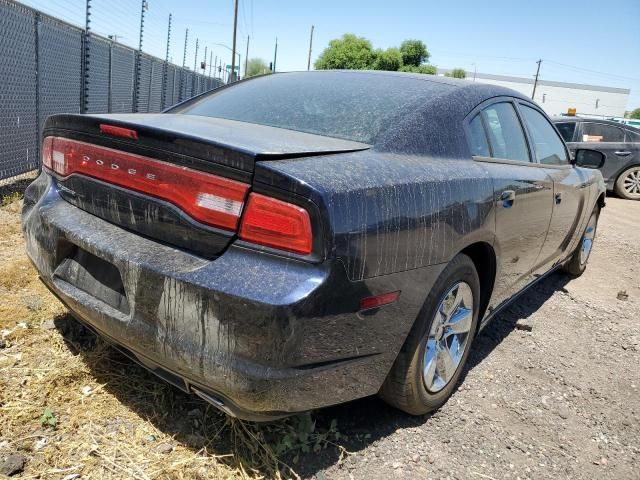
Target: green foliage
x,y
426,69
256,66
299,434
414,52
457,73
389,59
48,418
635,114
349,52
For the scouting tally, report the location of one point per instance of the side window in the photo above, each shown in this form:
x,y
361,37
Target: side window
x,y
549,149
505,132
478,140
566,130
599,132
632,137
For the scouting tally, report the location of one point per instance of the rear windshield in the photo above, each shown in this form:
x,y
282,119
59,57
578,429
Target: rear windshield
x,y
352,107
566,130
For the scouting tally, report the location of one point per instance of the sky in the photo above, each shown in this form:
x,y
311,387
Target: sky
x,y
588,41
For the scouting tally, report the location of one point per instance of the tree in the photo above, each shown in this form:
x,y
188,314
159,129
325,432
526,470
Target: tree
x,y
457,73
414,52
635,114
256,66
389,59
349,52
426,69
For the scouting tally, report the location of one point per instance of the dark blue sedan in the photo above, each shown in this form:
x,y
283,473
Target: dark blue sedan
x,y
303,239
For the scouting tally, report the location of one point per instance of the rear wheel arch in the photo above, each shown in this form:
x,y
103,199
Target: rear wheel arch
x,y
484,259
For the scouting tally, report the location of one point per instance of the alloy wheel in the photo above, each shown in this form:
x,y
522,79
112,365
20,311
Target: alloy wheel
x,y
448,337
631,182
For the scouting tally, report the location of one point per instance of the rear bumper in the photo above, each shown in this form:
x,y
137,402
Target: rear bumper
x,y
257,335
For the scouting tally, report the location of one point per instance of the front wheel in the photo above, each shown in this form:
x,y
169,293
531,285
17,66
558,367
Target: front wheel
x,y
578,262
432,359
628,184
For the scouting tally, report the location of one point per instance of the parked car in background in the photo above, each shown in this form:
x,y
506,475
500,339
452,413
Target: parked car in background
x,y
299,240
618,142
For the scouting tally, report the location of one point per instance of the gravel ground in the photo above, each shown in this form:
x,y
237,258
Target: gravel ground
x,y
559,401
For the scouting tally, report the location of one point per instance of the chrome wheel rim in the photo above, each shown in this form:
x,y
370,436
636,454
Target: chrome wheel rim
x,y
448,337
631,183
587,240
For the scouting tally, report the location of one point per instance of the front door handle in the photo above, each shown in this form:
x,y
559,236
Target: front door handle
x,y
507,198
623,153
558,198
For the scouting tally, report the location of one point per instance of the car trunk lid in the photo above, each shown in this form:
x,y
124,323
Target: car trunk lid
x,y
144,171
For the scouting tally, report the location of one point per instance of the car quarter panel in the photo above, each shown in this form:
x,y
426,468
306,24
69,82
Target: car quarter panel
x,y
389,213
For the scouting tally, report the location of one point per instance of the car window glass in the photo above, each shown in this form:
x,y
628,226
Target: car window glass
x,y
599,132
632,137
479,145
566,130
549,149
505,132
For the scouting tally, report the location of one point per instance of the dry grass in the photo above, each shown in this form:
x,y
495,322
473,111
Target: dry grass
x,y
112,418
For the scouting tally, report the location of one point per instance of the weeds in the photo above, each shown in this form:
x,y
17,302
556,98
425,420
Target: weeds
x,y
10,198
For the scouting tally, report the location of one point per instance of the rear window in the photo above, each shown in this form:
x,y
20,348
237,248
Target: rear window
x,y
566,130
321,104
599,132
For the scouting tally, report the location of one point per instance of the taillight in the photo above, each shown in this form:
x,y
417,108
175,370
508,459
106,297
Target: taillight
x,y
274,223
207,198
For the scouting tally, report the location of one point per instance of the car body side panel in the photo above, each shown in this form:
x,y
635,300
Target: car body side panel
x,y
392,213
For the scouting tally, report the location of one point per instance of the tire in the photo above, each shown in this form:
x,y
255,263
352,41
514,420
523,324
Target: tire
x,y
578,262
628,184
405,386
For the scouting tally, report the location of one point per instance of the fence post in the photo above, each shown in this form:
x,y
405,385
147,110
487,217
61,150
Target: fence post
x,y
165,67
36,26
85,59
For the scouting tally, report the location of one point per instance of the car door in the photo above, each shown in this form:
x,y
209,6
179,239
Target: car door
x,y
523,194
608,139
570,186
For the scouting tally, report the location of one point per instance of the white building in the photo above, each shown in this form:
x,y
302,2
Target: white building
x,y
558,97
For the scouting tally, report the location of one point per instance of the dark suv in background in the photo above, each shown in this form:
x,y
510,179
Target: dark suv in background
x,y
619,143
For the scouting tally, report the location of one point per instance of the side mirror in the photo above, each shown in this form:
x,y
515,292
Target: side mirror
x,y
587,158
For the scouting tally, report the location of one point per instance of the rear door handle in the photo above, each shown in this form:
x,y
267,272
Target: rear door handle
x,y
507,198
623,153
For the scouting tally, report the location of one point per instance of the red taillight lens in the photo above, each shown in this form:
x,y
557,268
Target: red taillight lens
x,y
277,224
207,198
47,150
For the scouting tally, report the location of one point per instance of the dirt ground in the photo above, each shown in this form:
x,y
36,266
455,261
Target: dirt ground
x,y
559,401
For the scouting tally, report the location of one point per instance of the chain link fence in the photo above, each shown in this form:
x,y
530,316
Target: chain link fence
x,y
48,66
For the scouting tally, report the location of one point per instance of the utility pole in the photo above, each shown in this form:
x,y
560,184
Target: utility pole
x,y
195,60
310,47
233,50
535,82
275,56
246,58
